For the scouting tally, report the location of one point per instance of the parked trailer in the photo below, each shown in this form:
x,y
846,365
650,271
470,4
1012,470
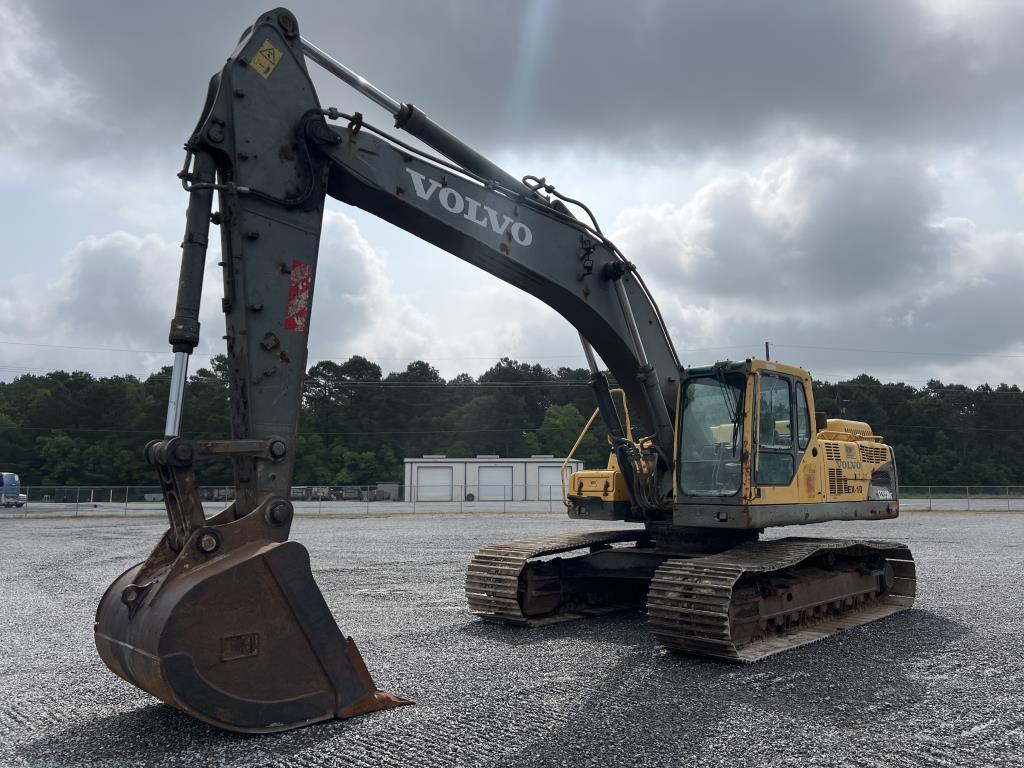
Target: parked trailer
x,y
10,492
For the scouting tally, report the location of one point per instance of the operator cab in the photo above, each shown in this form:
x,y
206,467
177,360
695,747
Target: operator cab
x,y
751,453
719,420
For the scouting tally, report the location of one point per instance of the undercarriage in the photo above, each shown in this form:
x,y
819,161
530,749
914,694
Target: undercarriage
x,y
740,599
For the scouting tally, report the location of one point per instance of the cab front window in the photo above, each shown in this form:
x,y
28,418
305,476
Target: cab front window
x,y
711,437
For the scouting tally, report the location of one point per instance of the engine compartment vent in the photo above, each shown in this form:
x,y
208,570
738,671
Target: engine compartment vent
x,y
874,454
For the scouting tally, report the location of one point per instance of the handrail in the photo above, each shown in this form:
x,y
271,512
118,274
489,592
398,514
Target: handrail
x,y
622,393
568,458
586,428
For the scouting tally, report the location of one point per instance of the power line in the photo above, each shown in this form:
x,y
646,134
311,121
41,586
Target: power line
x,y
935,428
574,354
572,383
206,436
917,390
927,353
167,351
373,433
451,386
98,349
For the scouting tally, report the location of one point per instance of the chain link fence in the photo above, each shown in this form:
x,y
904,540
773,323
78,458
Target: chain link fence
x,y
386,498
395,498
972,498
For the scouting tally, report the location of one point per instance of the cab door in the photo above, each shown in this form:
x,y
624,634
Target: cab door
x,y
784,472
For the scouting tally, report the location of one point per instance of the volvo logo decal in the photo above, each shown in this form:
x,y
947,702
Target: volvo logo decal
x,y
458,204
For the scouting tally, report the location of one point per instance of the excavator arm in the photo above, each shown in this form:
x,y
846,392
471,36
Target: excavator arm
x,y
206,622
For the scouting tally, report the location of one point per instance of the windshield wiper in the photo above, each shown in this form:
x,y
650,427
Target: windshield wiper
x,y
735,408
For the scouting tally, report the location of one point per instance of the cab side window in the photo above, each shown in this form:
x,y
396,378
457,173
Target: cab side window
x,y
775,464
803,417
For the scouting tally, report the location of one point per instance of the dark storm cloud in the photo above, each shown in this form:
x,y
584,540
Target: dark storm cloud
x,y
829,248
810,221
627,75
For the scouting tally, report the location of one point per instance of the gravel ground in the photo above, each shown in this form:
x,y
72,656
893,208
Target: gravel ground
x,y
940,685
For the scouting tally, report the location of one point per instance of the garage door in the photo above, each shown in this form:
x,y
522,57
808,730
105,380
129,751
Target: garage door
x,y
495,484
550,482
434,483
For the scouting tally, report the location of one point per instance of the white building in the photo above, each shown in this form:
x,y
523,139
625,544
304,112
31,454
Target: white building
x,y
486,478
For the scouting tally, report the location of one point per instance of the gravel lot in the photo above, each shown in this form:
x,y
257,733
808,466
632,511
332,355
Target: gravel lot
x,y
940,685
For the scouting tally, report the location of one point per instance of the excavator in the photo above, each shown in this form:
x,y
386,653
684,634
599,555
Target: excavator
x,y
224,620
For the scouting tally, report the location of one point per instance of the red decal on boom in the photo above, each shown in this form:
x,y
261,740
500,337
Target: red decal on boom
x,y
296,317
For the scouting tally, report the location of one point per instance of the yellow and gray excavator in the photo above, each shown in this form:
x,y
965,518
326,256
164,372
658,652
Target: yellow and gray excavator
x,y
224,620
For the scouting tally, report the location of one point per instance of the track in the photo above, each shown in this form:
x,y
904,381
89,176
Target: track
x,y
693,604
493,586
730,606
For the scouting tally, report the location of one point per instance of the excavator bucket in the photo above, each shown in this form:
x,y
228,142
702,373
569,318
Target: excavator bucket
x,y
237,636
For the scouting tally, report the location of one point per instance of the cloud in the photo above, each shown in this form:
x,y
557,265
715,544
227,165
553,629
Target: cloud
x,y
488,319
598,73
114,291
838,255
355,307
108,309
459,325
118,291
807,222
46,106
843,260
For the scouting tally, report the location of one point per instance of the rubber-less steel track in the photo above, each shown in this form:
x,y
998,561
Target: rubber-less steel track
x,y
493,577
690,604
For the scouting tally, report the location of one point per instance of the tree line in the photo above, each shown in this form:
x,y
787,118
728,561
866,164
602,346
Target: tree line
x,y
358,424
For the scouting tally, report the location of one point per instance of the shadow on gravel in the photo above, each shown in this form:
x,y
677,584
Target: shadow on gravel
x,y
860,678
140,737
628,628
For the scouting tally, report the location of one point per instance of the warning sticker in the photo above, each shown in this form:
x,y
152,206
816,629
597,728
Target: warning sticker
x,y
296,317
266,59
810,480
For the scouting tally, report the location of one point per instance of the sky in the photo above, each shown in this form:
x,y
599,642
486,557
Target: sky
x,y
842,179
